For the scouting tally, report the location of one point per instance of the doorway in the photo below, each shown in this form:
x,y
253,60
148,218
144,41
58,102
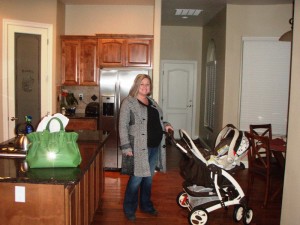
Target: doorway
x,y
178,88
23,78
27,77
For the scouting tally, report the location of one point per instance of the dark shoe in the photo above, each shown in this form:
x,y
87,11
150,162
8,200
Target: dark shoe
x,y
153,212
130,217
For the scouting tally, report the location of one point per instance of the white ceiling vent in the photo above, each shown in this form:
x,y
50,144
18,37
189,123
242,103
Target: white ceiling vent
x,y
188,12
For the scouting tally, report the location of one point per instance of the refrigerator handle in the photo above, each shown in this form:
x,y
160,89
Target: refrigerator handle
x,y
117,104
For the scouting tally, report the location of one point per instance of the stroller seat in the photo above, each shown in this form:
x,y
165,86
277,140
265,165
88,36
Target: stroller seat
x,y
230,148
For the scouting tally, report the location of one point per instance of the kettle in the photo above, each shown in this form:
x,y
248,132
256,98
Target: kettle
x,y
21,142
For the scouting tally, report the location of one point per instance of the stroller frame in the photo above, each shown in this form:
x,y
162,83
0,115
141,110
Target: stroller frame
x,y
201,200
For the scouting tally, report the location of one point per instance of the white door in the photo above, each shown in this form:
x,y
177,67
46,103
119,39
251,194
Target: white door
x,y
10,28
178,91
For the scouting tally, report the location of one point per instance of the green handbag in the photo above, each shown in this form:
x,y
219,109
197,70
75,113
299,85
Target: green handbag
x,y
56,149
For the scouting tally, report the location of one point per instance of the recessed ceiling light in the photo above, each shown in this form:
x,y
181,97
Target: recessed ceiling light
x,y
184,17
188,12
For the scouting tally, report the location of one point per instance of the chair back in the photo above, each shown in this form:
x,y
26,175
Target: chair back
x,y
261,130
259,154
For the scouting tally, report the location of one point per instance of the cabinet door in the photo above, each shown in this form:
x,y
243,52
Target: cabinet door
x,y
72,205
111,53
138,53
88,62
82,124
70,62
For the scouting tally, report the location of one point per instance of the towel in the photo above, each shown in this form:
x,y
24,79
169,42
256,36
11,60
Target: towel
x,y
54,125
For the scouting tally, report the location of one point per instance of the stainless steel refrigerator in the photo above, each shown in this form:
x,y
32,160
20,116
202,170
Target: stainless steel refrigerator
x,y
114,87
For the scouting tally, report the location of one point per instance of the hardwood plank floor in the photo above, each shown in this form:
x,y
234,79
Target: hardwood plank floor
x,y
166,187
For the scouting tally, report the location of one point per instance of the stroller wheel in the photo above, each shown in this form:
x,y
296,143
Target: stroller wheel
x,y
198,216
182,199
238,213
248,216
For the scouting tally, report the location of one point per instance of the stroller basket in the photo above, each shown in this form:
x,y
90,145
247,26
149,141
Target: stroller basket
x,y
209,184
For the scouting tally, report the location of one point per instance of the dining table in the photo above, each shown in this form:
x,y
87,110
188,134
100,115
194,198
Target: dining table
x,y
278,149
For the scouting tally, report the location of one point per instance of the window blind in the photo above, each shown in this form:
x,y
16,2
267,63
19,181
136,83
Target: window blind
x,y
265,84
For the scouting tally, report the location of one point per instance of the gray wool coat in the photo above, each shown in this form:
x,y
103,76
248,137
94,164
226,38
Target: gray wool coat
x,y
133,120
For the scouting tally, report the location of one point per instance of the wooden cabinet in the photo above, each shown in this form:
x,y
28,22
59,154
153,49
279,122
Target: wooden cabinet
x,y
70,62
125,50
54,196
82,124
55,204
79,61
111,52
72,205
83,55
138,53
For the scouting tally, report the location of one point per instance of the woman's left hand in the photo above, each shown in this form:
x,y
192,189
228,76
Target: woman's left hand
x,y
169,128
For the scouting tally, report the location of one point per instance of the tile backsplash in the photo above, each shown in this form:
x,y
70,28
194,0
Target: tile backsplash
x,y
87,91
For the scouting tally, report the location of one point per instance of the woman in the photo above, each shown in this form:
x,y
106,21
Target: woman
x,y
141,131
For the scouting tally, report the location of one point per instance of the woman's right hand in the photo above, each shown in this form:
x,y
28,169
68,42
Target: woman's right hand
x,y
129,153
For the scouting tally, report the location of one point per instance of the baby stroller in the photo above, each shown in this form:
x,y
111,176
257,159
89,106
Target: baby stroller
x,y
209,184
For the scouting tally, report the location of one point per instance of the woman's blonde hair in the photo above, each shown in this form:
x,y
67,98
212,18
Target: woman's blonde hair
x,y
136,84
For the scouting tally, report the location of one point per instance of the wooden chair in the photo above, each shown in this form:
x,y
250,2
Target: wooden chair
x,y
259,159
261,130
277,145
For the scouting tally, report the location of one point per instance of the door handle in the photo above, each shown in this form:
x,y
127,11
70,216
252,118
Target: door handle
x,y
189,106
14,118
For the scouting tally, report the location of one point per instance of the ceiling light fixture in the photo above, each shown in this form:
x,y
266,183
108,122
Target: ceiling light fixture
x,y
188,12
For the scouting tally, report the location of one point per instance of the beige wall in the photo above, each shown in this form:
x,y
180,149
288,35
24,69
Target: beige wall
x,y
184,43
32,11
111,19
181,43
247,21
156,47
59,31
214,30
291,197
227,29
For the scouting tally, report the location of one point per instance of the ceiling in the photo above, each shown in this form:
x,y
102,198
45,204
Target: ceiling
x,y
209,7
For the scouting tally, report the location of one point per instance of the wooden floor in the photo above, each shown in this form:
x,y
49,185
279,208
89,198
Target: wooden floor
x,y
166,187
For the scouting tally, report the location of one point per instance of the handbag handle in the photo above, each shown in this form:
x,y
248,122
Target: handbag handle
x,y
55,118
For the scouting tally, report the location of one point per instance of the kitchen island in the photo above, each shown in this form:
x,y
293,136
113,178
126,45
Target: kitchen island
x,y
58,196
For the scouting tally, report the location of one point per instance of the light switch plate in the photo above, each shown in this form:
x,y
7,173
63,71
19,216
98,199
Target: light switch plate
x,y
19,194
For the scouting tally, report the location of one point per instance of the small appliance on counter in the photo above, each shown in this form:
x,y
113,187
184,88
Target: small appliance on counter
x,y
92,109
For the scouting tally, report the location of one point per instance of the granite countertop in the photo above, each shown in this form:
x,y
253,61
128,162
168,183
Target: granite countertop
x,y
15,169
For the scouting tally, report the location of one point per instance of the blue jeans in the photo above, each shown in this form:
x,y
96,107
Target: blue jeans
x,y
144,184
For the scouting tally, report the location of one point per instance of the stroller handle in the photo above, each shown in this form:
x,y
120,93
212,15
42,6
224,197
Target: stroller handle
x,y
170,135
